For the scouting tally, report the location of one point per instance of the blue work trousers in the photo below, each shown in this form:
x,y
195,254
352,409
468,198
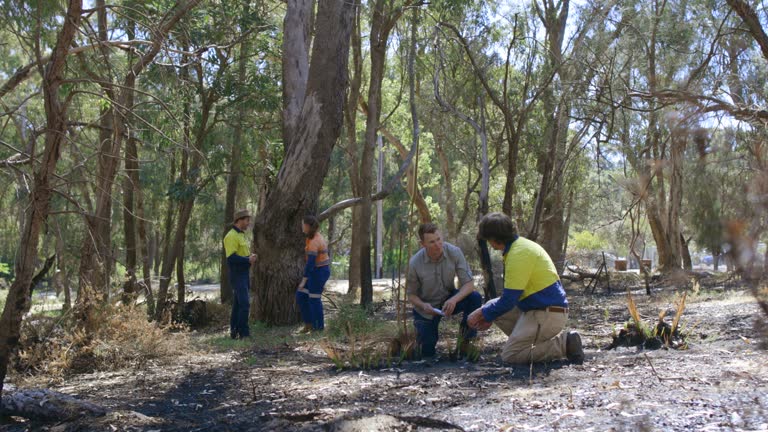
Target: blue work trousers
x,y
427,333
238,321
310,300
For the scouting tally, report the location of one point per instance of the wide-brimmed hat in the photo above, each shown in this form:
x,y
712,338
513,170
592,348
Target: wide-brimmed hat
x,y
244,213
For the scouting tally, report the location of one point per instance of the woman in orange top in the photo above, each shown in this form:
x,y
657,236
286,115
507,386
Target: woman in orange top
x,y
316,274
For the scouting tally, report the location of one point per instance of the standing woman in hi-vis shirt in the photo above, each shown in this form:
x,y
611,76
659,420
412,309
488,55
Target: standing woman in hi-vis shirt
x,y
316,274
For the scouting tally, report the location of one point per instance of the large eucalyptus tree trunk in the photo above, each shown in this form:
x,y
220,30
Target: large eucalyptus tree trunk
x,y
277,230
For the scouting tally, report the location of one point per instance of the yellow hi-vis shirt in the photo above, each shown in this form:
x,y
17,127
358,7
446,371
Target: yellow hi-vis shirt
x,y
236,243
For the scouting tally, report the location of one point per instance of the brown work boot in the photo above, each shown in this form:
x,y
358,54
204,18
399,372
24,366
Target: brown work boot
x,y
573,348
307,328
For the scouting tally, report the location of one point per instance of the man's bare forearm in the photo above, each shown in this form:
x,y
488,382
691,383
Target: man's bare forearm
x,y
418,303
465,290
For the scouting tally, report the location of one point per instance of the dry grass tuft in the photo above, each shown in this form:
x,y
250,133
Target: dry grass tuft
x,y
122,338
679,312
633,312
637,333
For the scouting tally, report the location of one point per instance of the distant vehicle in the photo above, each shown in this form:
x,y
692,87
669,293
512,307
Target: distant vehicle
x,y
707,259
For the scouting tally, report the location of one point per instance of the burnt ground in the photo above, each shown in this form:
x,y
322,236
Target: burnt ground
x,y
285,381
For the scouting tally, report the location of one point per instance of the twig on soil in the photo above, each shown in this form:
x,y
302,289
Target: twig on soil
x,y
660,377
652,368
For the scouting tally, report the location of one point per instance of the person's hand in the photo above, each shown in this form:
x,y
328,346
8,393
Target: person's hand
x,y
426,310
477,321
252,258
449,306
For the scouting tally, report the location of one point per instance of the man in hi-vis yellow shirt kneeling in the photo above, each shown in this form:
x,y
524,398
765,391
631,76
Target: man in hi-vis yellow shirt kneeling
x,y
533,310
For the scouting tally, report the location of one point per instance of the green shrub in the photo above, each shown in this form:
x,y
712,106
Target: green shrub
x,y
586,241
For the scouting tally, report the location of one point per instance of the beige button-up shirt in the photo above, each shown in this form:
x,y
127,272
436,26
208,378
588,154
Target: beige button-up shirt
x,y
432,281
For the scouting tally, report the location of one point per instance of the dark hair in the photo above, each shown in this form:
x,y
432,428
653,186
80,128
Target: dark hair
x,y
498,227
426,228
313,224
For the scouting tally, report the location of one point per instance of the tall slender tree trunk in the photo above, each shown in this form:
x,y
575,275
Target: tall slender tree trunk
x,y
378,45
96,249
133,200
489,285
448,204
513,154
350,122
157,240
673,233
355,260
234,169
668,246
190,179
553,230
277,226
130,183
19,299
181,288
129,231
144,241
174,251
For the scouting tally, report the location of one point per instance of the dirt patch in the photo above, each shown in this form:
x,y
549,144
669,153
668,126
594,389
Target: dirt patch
x,y
720,382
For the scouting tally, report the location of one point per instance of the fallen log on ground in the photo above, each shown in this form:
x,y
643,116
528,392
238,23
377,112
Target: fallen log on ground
x,y
578,274
47,405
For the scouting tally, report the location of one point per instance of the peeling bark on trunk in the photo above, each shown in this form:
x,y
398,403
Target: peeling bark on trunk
x,y
277,230
296,41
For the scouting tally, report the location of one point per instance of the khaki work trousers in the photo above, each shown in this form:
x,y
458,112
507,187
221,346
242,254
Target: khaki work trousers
x,y
534,336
